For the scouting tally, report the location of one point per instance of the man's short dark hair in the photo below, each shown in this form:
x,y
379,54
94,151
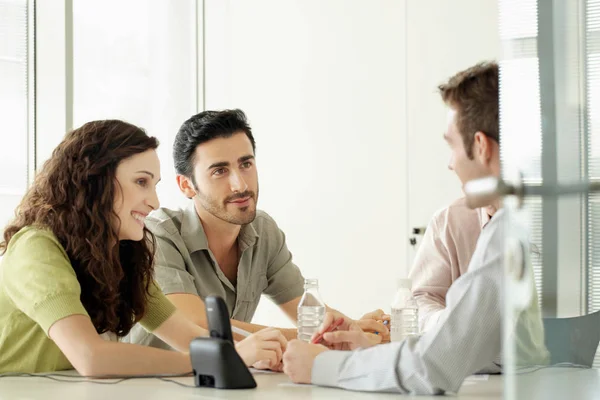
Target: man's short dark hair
x,y
203,127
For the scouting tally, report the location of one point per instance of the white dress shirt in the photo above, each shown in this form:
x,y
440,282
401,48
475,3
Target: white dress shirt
x,y
467,339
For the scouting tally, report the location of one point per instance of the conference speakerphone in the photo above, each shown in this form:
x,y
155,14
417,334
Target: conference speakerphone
x,y
215,361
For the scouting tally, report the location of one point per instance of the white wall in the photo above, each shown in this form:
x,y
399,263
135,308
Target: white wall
x,y
336,92
323,85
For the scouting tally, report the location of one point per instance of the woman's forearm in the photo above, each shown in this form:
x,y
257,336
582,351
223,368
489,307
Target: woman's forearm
x,y
114,358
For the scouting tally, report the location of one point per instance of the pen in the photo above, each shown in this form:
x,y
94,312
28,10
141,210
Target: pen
x,y
240,331
386,323
331,327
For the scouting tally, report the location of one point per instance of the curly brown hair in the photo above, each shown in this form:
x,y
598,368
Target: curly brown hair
x,y
474,94
73,196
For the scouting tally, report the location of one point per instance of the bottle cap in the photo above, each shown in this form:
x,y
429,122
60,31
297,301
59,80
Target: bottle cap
x,y
405,283
311,282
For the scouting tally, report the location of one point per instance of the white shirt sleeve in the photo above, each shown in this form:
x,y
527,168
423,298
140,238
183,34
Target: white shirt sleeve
x,y
466,340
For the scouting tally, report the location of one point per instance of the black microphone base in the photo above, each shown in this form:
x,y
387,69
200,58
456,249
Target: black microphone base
x,y
217,364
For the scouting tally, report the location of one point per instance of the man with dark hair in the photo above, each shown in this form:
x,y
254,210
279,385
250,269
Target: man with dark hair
x,y
468,336
221,244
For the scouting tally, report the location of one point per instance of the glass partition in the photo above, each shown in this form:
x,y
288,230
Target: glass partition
x,y
550,147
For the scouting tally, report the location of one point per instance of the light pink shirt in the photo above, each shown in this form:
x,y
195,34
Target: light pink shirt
x,y
444,255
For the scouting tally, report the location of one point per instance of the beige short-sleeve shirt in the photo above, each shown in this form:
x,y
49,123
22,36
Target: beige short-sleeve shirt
x,y
184,264
444,255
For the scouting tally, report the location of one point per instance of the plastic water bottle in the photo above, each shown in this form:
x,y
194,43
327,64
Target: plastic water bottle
x,y
405,313
311,310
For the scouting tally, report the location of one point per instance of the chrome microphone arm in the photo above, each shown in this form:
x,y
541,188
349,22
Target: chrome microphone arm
x,y
485,191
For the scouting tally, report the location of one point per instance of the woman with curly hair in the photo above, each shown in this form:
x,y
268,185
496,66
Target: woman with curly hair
x,y
77,265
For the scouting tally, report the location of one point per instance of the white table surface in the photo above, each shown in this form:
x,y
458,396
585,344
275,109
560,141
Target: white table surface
x,y
551,383
270,386
558,383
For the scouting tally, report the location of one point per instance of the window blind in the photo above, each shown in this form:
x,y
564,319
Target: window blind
x,y
14,105
592,59
520,113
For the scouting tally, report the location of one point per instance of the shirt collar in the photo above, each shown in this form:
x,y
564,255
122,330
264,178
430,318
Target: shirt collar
x,y
192,231
484,217
248,236
194,236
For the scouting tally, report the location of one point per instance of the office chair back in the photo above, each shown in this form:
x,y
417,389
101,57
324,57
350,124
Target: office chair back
x,y
573,340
